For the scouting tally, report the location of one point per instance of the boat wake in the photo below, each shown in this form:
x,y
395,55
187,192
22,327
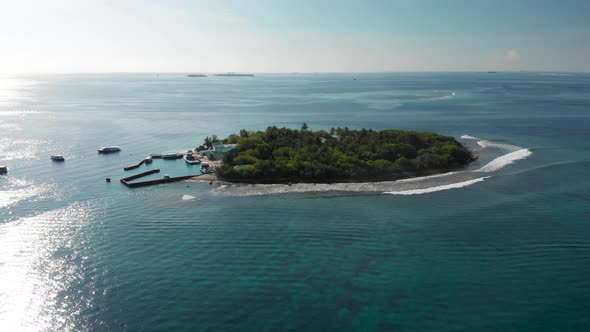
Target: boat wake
x,y
508,154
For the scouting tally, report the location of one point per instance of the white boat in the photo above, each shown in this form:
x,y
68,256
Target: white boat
x,y
166,176
3,169
191,159
148,159
57,157
109,149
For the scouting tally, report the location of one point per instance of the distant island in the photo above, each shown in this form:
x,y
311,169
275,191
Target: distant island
x,y
196,75
282,155
233,74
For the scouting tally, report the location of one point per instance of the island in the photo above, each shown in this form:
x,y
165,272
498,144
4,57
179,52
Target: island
x,y
283,155
196,75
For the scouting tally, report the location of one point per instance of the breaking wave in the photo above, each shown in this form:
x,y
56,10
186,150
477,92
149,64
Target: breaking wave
x,y
437,188
490,144
468,137
504,160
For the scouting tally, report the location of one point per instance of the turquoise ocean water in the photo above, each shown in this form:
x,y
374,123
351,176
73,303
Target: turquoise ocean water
x,y
501,246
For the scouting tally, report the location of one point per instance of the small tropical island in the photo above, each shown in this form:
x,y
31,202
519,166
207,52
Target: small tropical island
x,y
196,75
283,155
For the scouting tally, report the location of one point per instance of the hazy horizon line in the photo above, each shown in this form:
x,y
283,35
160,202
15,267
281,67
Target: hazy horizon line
x,y
290,72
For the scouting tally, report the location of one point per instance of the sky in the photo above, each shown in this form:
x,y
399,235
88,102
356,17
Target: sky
x,y
282,36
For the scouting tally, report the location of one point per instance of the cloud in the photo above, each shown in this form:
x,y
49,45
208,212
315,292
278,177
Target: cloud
x,y
508,59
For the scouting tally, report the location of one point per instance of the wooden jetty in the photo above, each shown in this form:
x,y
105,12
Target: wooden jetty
x,y
126,181
167,155
134,166
146,160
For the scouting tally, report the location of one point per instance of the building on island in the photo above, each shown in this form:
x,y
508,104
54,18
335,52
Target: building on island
x,y
220,150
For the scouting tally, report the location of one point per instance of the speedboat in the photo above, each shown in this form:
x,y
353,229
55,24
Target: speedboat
x,y
57,157
206,169
190,159
109,149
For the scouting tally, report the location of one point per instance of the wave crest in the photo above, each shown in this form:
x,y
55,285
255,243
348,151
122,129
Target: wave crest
x,y
505,160
438,188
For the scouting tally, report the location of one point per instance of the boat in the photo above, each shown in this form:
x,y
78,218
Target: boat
x,y
166,176
57,157
3,169
206,169
191,159
171,155
109,149
148,159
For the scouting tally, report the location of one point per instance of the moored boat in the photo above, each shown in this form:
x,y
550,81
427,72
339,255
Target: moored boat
x,y
3,169
191,159
148,159
109,149
206,169
57,157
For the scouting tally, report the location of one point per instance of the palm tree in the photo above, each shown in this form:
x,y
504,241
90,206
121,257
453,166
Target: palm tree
x,y
208,143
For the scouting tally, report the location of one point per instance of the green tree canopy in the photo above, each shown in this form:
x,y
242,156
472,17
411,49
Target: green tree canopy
x,y
279,155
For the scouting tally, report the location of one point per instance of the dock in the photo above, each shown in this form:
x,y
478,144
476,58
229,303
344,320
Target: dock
x,y
126,181
146,160
167,155
134,166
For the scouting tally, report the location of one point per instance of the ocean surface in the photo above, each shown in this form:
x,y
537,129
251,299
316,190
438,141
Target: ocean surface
x,y
503,245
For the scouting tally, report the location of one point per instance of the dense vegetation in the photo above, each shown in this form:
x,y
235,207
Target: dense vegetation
x,y
281,155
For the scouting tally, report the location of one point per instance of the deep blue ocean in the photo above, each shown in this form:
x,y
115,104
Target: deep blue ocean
x,y
501,246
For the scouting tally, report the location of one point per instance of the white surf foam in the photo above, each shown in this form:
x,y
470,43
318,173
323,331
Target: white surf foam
x,y
425,177
490,144
187,197
437,188
504,160
468,137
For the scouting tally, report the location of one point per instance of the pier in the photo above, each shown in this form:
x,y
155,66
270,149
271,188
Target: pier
x,y
167,155
134,166
126,181
146,160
